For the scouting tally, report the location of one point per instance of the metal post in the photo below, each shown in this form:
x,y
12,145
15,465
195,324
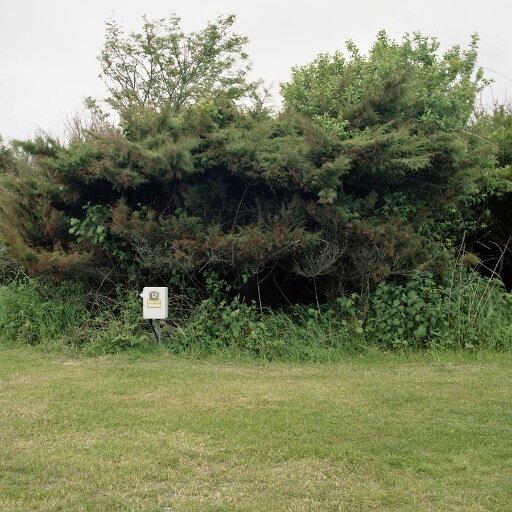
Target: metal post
x,y
156,328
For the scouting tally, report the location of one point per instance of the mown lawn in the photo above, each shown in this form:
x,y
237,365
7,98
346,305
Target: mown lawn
x,y
163,434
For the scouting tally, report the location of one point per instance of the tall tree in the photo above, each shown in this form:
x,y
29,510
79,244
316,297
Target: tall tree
x,y
404,82
358,180
161,67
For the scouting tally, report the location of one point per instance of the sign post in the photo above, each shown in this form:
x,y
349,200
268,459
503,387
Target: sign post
x,y
155,306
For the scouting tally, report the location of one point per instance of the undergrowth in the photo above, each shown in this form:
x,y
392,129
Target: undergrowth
x,y
465,312
38,312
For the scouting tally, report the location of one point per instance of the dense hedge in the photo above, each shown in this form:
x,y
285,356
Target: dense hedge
x,y
377,167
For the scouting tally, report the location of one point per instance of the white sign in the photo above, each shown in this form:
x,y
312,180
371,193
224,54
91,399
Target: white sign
x,y
156,302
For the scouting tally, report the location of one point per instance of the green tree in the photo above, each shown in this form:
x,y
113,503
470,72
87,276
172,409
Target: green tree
x,y
490,195
401,82
161,67
351,184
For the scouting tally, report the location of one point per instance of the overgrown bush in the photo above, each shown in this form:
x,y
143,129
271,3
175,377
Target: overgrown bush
x,y
217,326
479,311
410,315
61,316
298,334
466,311
469,312
117,328
298,207
38,312
282,235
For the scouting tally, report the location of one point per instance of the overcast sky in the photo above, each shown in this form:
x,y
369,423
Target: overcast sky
x,y
48,48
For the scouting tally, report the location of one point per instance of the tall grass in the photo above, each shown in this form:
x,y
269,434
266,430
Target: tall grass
x,y
39,312
469,312
236,329
479,311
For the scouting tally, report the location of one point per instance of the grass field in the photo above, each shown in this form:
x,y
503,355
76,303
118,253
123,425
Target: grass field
x,y
418,433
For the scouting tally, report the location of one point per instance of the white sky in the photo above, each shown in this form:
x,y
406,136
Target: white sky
x,y
48,48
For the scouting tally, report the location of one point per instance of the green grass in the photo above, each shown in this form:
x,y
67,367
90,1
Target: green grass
x,y
155,433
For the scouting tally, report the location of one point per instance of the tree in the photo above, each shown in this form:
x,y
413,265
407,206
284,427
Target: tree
x,y
351,184
400,82
161,67
490,196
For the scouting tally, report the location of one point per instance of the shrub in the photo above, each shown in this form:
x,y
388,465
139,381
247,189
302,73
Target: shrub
x,y
119,327
324,193
467,311
410,315
220,325
40,312
479,311
59,315
300,334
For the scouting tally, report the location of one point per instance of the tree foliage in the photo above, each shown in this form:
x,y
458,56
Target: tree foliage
x,y
161,67
490,195
398,82
368,173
